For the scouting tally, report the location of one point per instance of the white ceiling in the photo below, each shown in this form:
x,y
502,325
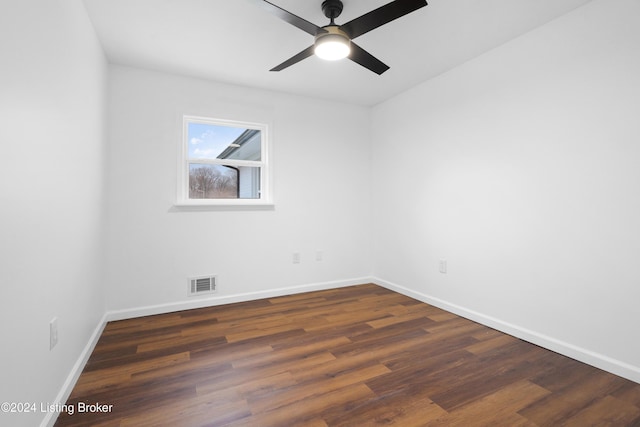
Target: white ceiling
x,y
234,41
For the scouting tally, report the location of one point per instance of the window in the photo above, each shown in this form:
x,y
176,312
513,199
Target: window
x,y
223,163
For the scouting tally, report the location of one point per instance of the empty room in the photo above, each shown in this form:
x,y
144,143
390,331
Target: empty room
x,y
320,213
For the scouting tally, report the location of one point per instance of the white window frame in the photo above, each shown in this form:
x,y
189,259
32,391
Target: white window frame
x,y
266,192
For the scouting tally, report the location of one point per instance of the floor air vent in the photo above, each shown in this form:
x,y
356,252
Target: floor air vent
x,y
202,285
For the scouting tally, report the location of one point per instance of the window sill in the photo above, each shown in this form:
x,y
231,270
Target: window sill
x,y
223,205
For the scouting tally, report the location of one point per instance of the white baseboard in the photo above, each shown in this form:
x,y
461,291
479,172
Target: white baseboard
x,y
589,357
51,417
229,299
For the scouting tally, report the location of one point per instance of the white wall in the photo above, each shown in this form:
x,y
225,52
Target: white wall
x,y
521,169
321,160
52,113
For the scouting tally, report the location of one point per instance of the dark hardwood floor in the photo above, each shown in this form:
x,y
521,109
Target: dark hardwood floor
x,y
355,356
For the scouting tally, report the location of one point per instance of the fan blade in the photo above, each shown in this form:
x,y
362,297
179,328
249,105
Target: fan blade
x,y
364,58
294,59
289,17
381,16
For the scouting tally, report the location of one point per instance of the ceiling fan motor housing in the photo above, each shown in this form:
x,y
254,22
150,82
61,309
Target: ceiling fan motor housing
x,y
332,9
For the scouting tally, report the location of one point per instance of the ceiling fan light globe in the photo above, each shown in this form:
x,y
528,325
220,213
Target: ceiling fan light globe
x,y
332,46
332,50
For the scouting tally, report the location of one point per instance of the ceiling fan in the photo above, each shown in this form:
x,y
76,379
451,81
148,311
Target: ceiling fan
x,y
335,41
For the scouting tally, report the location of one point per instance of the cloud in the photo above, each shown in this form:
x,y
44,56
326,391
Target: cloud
x,y
196,141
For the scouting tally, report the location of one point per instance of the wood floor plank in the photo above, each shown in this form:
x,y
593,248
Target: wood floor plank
x,y
192,412
312,388
498,408
490,344
313,408
96,380
609,411
629,393
355,356
390,320
558,407
236,377
293,353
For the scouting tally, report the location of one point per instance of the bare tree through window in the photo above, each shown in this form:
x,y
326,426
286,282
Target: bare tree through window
x,y
212,182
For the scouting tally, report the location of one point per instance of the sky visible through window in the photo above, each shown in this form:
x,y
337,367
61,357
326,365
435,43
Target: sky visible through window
x,y
207,141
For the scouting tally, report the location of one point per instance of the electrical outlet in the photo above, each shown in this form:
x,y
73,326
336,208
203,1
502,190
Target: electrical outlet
x,y
53,333
296,258
319,255
443,266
